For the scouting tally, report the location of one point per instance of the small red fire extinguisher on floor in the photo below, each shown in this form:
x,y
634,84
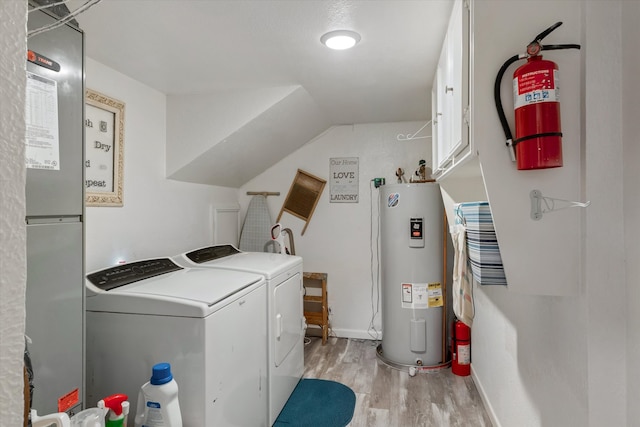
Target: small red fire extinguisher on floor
x,y
461,349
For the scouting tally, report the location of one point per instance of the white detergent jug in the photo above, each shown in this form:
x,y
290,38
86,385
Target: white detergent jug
x,y
158,400
59,419
92,417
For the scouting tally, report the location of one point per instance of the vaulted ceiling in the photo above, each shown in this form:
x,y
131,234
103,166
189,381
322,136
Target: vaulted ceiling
x,y
191,48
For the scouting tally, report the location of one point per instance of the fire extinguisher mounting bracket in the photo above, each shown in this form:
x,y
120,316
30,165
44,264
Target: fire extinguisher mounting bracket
x,y
512,150
537,201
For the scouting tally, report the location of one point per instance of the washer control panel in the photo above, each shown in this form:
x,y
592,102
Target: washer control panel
x,y
125,274
211,253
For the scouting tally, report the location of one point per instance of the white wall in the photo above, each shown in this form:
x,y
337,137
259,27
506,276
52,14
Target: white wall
x,y
542,360
529,352
160,217
197,122
553,241
604,242
337,240
13,235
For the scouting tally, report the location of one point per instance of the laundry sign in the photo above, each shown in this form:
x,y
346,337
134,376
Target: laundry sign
x,y
343,172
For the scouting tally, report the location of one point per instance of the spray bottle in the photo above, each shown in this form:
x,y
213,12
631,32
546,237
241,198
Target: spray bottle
x,y
118,409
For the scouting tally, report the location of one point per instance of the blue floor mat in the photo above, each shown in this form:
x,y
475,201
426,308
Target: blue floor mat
x,y
318,403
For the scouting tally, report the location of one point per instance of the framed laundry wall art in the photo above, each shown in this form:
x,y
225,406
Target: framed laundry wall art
x,y
344,183
104,150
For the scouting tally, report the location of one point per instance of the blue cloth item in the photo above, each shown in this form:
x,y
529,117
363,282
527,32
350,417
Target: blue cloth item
x,y
318,403
482,243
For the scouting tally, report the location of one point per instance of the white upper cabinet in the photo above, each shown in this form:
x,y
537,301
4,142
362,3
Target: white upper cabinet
x,y
450,96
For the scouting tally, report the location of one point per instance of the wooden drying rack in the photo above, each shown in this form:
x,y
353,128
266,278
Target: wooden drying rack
x,y
303,197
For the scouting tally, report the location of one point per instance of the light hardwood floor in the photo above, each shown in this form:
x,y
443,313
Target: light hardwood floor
x,y
389,397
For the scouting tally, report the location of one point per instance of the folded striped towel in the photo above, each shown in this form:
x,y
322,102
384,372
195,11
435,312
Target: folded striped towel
x,y
482,244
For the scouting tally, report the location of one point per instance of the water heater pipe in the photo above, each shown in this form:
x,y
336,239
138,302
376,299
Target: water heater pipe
x,y
444,285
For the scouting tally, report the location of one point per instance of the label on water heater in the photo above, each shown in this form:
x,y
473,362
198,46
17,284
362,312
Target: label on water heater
x,y
407,293
393,200
434,292
416,236
415,295
421,295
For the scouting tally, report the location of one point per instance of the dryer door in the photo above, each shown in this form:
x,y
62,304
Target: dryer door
x,y
287,317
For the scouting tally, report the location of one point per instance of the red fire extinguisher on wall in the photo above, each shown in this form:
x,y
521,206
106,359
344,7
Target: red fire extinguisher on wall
x,y
460,349
538,141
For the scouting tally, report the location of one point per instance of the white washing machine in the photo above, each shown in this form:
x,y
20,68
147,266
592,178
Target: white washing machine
x,y
286,324
208,324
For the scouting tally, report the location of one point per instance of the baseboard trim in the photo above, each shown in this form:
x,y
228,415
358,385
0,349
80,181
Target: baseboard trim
x,y
485,399
355,334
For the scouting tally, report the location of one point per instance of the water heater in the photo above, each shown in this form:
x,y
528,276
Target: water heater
x,y
411,258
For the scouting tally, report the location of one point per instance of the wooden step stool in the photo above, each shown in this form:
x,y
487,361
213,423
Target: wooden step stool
x,y
319,318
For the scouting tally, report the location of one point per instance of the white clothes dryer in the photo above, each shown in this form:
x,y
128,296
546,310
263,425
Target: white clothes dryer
x,y
286,324
208,324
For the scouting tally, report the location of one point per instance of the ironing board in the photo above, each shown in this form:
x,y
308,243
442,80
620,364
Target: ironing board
x,y
256,230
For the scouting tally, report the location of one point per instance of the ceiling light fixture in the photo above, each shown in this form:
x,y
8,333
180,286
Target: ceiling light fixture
x,y
340,39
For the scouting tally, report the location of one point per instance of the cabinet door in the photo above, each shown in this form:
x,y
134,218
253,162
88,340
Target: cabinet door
x,y
435,128
59,190
54,313
441,113
450,96
453,89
